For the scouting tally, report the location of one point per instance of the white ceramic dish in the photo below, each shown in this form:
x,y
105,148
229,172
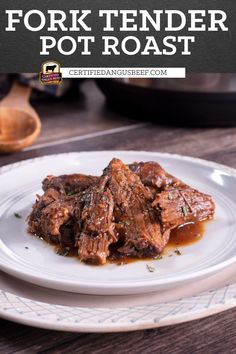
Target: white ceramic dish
x,y
33,260
58,310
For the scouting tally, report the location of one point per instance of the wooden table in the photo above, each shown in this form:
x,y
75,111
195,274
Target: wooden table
x,y
86,124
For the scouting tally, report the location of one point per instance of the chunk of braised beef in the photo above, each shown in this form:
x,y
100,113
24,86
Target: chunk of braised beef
x,y
179,206
69,184
98,227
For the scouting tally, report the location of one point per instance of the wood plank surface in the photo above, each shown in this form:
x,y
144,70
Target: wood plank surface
x,y
87,124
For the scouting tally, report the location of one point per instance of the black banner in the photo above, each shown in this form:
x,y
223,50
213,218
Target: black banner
x,y
199,35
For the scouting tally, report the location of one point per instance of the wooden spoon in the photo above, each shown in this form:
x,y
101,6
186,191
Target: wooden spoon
x,y
19,123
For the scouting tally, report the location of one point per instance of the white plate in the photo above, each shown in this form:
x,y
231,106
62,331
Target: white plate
x,y
39,264
57,310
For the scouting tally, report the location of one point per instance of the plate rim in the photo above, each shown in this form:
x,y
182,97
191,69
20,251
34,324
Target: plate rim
x,y
170,312
36,279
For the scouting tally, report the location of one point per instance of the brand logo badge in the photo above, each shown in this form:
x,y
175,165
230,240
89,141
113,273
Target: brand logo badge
x,y
50,73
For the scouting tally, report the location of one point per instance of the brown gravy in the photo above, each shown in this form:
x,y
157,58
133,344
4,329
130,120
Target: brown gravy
x,y
182,236
187,234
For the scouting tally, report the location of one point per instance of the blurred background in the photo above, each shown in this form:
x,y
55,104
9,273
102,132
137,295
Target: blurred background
x,y
76,108
207,99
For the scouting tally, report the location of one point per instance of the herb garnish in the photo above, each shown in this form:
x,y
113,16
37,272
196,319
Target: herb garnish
x,y
63,252
18,216
177,251
158,258
121,263
150,268
79,222
71,193
184,210
170,196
